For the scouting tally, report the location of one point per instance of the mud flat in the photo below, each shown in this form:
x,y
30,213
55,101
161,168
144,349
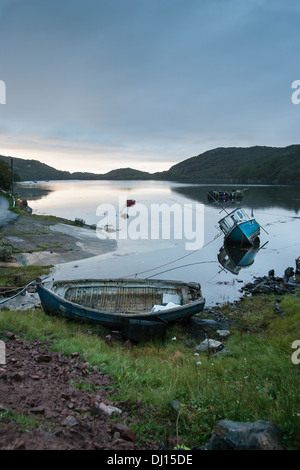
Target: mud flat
x,y
48,241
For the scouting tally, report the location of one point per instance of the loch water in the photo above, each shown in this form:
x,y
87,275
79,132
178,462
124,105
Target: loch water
x,y
193,250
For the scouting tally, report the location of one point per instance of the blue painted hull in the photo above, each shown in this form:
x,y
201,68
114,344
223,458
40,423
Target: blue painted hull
x,y
244,232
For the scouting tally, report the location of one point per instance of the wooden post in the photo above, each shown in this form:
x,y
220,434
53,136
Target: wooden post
x,y
12,175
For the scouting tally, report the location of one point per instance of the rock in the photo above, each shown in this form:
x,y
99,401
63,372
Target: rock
x,y
70,421
108,410
223,333
44,358
18,376
210,344
38,410
259,435
75,354
10,335
125,432
289,272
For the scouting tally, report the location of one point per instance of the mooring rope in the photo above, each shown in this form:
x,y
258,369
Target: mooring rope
x,y
18,293
173,261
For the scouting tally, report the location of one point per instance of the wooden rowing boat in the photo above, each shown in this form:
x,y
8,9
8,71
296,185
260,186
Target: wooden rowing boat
x,y
122,304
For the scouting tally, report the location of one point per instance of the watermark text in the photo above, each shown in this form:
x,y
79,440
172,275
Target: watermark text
x,y
154,221
296,94
2,353
2,92
296,354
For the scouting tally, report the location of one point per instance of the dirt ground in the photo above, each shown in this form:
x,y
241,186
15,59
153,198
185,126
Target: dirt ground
x,y
40,385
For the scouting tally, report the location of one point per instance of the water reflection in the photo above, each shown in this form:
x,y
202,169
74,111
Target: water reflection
x,y
286,197
235,257
32,193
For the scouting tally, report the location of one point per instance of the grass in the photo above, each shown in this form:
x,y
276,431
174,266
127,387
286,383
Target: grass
x,y
25,422
15,276
254,379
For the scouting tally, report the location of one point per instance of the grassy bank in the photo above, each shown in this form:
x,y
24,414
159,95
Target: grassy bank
x,y
253,379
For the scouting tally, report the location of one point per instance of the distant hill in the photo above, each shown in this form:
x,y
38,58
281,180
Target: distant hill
x,y
127,174
30,170
33,170
240,165
257,164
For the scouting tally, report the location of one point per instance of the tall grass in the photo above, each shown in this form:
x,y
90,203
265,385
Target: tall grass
x,y
253,379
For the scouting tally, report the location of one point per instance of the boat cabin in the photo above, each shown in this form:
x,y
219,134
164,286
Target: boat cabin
x,y
234,218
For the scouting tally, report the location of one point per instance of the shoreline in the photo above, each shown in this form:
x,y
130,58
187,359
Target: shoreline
x,y
48,241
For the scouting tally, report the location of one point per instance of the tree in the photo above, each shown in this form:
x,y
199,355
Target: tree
x,y
5,175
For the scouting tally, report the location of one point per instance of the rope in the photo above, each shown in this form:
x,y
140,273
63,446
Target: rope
x,y
179,267
10,298
174,261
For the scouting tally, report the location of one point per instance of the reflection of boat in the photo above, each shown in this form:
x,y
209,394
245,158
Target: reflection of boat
x,y
130,202
234,257
238,227
222,196
131,305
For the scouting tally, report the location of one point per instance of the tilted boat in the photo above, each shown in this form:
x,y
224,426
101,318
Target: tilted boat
x,y
238,227
127,305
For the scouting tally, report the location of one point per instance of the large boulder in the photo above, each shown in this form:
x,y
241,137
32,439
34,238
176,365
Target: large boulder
x,y
259,435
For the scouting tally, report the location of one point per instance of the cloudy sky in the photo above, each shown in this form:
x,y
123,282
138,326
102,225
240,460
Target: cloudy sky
x,y
93,85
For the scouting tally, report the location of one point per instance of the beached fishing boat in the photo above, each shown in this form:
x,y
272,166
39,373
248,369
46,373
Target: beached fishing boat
x,y
238,227
128,305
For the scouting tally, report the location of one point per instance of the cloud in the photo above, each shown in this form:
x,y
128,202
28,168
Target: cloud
x,y
155,81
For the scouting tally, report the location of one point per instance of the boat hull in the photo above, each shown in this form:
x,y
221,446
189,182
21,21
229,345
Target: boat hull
x,y
54,304
244,232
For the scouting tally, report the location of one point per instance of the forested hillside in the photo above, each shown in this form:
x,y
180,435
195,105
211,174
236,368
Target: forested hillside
x,y
244,165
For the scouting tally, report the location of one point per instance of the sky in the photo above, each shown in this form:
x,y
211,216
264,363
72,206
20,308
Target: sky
x,y
94,85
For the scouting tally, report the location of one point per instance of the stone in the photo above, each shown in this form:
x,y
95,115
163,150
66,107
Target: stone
x,y
44,358
38,410
210,344
125,432
18,376
70,421
108,410
223,333
259,435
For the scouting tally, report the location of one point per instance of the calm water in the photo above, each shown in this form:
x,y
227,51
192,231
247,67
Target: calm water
x,y
275,208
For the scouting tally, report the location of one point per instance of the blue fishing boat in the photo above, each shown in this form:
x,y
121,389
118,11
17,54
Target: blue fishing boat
x,y
238,227
126,305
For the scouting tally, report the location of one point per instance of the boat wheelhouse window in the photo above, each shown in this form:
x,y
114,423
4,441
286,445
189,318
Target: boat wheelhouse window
x,y
227,223
235,218
239,215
